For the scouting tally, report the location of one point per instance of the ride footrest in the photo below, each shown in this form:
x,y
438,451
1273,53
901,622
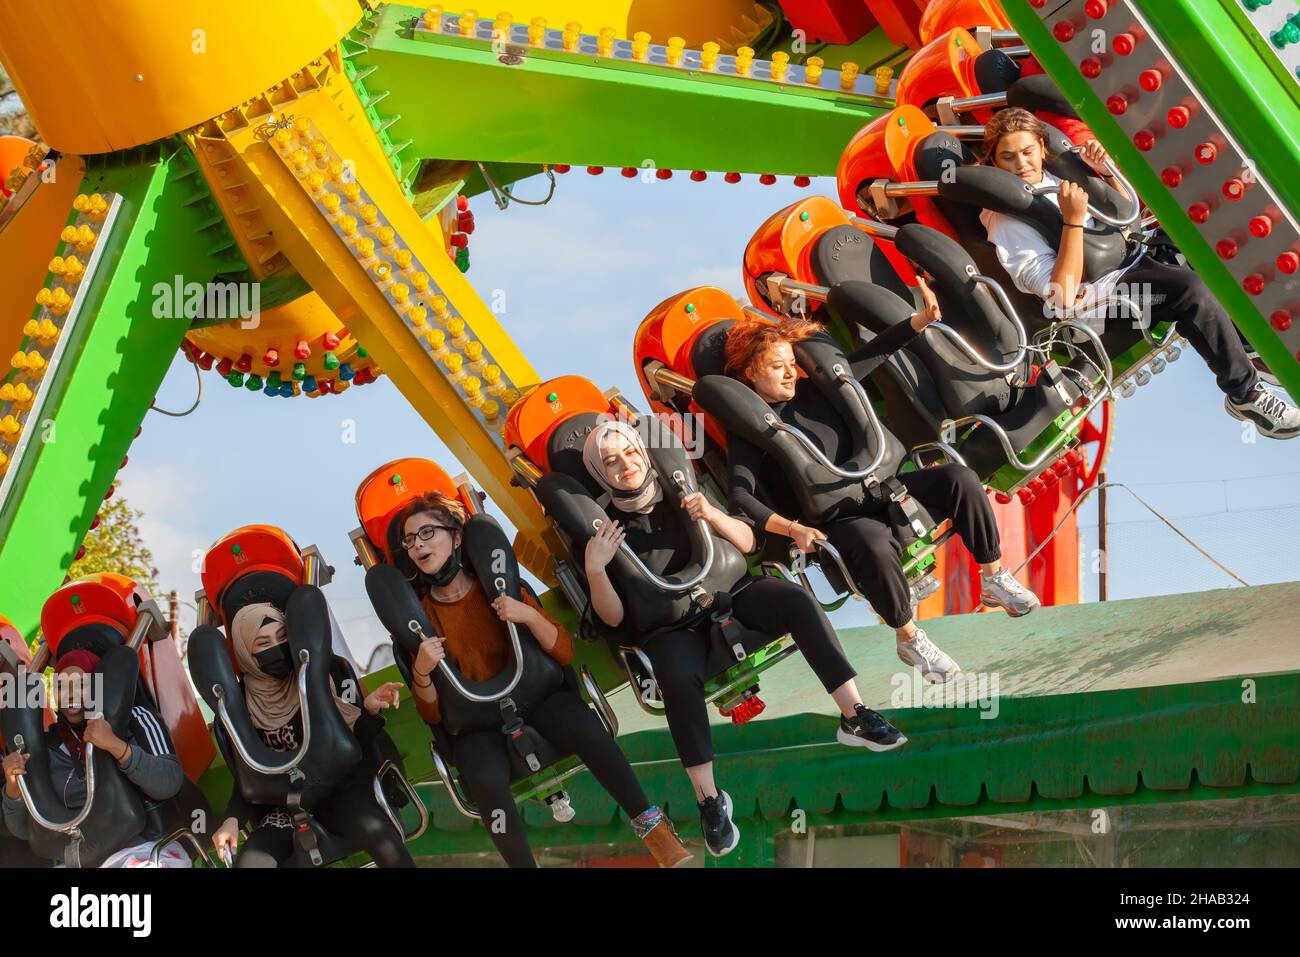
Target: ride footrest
x,y
745,709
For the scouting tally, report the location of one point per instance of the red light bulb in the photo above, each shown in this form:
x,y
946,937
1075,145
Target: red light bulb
x,y
1090,67
1117,103
1171,176
1261,226
1063,30
1150,80
1280,320
1144,140
1178,117
1096,9
1254,283
595,170
1226,248
1198,213
1206,153
1123,44
1288,263
1234,189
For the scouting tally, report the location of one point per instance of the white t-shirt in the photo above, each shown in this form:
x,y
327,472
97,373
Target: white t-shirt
x,y
1029,260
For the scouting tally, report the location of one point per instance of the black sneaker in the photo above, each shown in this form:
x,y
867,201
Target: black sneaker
x,y
1265,373
1272,416
867,729
720,834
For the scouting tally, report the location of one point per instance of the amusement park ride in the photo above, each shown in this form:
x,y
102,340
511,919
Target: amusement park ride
x,y
325,153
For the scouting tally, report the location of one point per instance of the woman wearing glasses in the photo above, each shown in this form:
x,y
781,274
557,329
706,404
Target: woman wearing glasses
x,y
425,540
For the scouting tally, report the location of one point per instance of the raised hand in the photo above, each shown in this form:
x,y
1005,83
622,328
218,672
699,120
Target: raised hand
x,y
602,546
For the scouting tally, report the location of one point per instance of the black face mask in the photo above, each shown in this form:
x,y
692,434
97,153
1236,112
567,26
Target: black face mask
x,y
448,571
276,662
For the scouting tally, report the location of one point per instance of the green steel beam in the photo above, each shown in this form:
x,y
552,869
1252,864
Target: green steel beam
x,y
453,98
112,366
1243,90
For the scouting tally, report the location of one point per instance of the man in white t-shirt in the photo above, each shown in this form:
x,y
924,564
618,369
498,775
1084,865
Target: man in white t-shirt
x,y
1015,141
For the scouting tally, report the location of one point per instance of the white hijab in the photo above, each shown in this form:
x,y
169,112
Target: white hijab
x,y
640,500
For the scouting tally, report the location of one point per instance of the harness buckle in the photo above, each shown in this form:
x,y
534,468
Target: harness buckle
x,y
899,497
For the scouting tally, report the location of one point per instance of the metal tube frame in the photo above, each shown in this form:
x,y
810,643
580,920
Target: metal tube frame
x,y
304,658
450,673
73,827
598,701
388,767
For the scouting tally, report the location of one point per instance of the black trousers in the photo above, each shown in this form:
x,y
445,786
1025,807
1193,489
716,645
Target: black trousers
x,y
1180,294
873,555
680,657
351,813
564,720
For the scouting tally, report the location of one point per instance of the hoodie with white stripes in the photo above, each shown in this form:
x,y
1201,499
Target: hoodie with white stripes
x,y
153,767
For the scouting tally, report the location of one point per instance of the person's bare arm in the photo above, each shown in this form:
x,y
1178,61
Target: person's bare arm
x,y
601,548
422,690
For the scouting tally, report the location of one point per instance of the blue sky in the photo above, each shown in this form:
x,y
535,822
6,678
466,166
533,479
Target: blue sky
x,y
578,275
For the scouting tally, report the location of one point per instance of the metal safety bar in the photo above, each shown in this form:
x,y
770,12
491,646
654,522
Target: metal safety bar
x,y
72,827
389,768
304,658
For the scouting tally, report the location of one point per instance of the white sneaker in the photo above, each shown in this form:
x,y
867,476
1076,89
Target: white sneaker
x,y
936,667
1272,416
1001,590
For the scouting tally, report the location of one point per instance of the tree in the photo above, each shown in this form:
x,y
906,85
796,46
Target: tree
x,y
13,115
115,545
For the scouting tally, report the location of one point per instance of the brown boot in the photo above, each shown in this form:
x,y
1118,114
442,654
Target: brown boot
x,y
666,846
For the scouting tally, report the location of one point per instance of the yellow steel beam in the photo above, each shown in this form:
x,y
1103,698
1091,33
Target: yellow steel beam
x,y
298,149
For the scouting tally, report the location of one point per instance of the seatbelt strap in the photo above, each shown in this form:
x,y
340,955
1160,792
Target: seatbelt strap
x,y
731,632
899,497
304,838
512,726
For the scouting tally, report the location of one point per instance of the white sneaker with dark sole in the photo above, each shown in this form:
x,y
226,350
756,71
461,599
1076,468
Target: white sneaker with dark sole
x,y
1001,590
1272,416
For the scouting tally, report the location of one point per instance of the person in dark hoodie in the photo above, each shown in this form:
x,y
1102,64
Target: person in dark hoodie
x,y
146,758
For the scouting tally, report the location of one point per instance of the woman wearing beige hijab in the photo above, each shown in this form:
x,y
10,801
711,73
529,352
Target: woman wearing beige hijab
x,y
260,641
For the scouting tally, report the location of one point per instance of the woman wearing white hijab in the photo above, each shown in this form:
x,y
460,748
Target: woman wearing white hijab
x,y
260,641
640,516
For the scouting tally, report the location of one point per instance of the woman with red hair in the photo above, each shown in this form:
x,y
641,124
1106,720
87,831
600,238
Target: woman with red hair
x,y
761,355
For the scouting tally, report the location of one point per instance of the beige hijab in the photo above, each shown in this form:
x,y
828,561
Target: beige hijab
x,y
642,500
272,702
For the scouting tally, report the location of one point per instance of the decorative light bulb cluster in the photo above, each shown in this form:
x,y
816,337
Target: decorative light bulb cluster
x,y
1191,149
396,272
538,34
45,334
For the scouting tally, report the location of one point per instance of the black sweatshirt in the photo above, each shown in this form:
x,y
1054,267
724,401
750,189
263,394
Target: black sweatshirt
x,y
809,411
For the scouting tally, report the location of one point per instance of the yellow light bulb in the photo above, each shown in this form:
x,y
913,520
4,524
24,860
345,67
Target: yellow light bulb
x,y
492,375
437,339
744,61
676,45
605,41
456,327
386,235
780,63
403,258
474,351
453,361
433,18
282,139
369,213
302,126
572,32
332,202
335,170
848,76
383,271
467,22
349,225
299,158
365,247
73,269
420,281
813,67
316,182
320,149
439,304
490,410
884,76
472,386
510,397
400,291
351,191
419,316
709,55
537,31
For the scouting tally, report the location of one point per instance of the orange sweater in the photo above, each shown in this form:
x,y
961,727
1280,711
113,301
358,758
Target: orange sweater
x,y
476,640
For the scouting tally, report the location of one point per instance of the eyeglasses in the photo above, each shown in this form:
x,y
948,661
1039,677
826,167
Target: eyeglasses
x,y
424,533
